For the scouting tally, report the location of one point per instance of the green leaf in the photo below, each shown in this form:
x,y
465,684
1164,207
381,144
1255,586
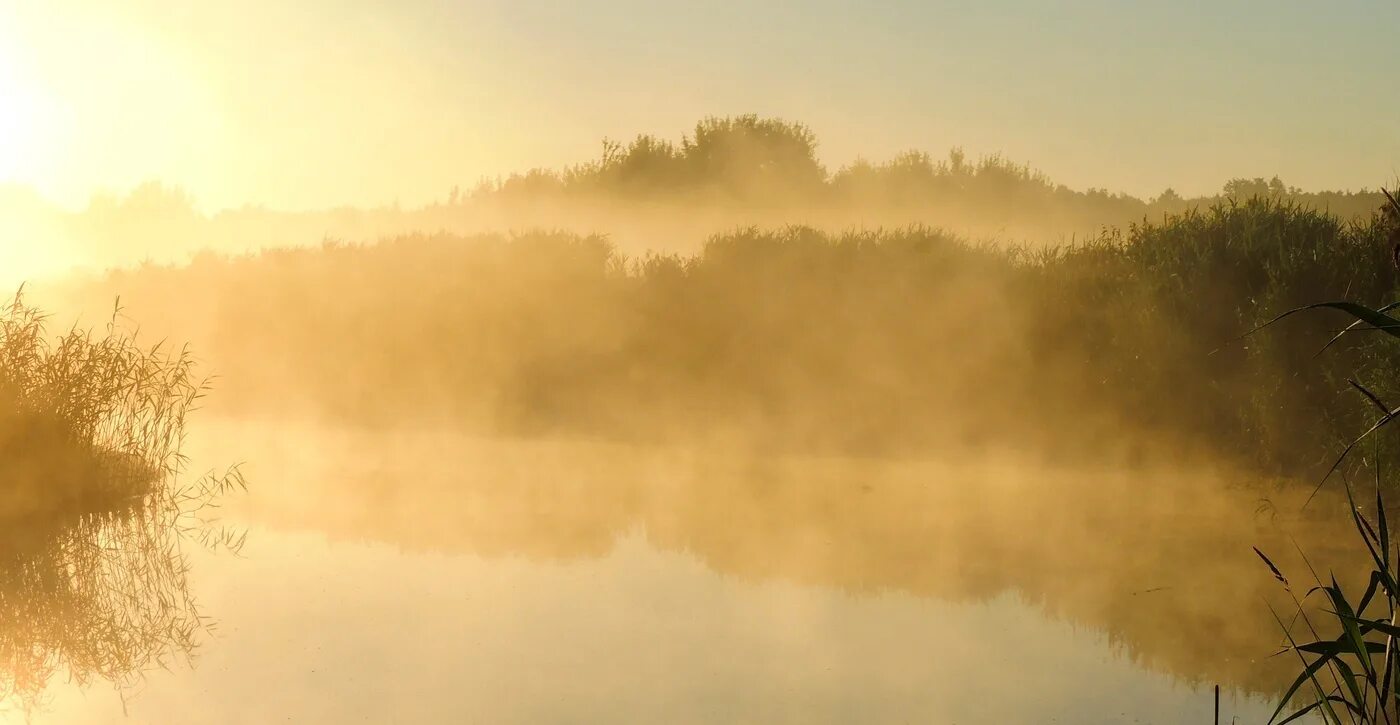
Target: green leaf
x,y
1348,678
1375,318
1354,325
1336,647
1299,713
1377,583
1378,625
1349,622
1381,522
1387,418
1308,673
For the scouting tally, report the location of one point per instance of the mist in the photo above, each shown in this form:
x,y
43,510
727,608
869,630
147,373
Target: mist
x,y
652,194
514,363
1081,430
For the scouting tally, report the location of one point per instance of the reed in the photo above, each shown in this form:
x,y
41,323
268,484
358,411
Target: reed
x,y
86,419
93,509
1350,661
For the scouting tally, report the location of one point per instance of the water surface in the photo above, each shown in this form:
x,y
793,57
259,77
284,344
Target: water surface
x,y
435,577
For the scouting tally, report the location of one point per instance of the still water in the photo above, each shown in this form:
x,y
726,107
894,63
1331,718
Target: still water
x,y
434,577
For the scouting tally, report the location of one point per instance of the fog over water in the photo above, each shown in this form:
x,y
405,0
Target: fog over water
x,y
455,577
792,475
524,362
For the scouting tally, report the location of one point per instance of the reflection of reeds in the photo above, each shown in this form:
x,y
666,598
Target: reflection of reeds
x,y
92,574
100,595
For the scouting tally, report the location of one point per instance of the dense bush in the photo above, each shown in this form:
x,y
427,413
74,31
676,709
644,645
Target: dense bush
x,y
869,341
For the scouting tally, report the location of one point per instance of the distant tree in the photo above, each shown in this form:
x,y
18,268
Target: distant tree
x,y
1169,202
750,159
749,156
1168,197
1241,189
648,165
957,160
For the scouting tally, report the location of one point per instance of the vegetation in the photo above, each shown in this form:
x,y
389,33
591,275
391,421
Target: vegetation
x,y
1352,664
862,341
92,574
85,420
97,596
1351,668
661,194
770,162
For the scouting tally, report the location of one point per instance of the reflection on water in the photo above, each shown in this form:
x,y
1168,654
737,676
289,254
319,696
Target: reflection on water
x,y
334,632
435,577
1159,559
101,596
93,511
101,593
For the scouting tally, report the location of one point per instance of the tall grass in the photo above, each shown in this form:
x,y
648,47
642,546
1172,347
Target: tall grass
x,y
93,512
1350,668
86,419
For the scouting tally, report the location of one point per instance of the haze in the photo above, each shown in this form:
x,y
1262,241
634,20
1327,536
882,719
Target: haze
x,y
321,104
656,362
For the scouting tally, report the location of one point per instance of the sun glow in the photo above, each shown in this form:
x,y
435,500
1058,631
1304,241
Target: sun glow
x,y
17,110
26,113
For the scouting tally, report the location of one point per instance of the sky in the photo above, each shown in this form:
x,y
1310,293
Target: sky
x,y
324,103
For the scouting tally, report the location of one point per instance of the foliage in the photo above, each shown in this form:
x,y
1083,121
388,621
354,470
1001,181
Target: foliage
x,y
773,163
86,419
92,571
864,341
673,191
1352,667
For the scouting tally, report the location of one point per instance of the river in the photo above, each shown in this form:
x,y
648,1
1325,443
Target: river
x,y
433,576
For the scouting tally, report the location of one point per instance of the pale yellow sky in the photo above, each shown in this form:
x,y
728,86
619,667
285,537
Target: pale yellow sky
x,y
325,102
